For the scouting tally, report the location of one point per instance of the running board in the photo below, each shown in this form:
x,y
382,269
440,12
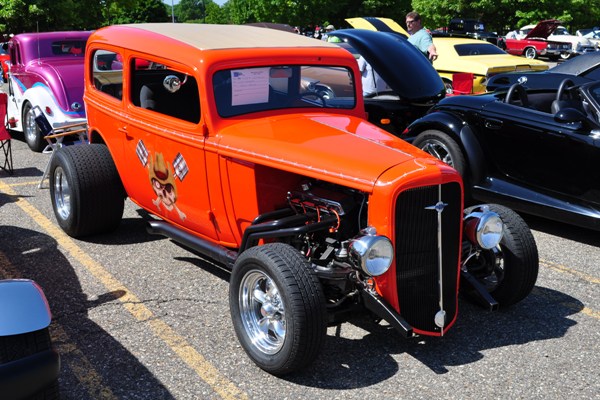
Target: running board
x,y
211,250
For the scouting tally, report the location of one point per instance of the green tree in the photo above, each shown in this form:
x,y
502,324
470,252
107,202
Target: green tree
x,y
134,11
191,10
18,16
502,15
215,14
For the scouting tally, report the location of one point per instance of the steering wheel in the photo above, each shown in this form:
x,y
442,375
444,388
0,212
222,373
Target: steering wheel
x,y
316,95
518,89
563,88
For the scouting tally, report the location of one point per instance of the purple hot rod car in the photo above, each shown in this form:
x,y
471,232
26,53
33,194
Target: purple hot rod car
x,y
46,76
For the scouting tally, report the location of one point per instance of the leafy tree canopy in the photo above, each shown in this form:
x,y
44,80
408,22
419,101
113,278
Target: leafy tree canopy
x,y
500,15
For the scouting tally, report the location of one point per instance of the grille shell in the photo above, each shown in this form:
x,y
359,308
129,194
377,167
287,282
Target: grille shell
x,y
416,254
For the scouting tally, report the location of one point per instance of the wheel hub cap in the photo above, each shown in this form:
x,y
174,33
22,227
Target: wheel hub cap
x,y
263,312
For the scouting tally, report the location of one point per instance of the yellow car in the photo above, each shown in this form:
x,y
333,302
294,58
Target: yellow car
x,y
464,64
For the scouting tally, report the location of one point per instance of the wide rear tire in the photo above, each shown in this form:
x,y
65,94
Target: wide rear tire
x,y
86,190
277,307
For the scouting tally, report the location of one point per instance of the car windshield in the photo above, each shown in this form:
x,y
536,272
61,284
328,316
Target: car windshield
x,y
560,31
594,91
246,90
476,49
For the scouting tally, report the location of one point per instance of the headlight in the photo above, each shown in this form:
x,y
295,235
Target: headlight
x,y
374,254
484,228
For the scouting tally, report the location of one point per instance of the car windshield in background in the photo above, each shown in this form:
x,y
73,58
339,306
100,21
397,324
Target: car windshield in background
x,y
476,49
68,47
246,90
594,91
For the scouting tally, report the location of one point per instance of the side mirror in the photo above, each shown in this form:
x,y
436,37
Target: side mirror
x,y
172,83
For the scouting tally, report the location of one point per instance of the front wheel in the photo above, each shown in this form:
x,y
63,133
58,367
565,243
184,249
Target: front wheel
x,y
86,190
443,147
530,53
277,307
508,272
565,55
31,132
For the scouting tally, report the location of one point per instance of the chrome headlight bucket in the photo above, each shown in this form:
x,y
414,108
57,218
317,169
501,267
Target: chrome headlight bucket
x,y
484,228
372,253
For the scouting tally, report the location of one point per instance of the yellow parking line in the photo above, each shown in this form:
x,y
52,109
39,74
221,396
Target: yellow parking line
x,y
589,278
562,268
30,183
205,370
78,363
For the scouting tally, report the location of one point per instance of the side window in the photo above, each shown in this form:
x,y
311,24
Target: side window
x,y
164,90
14,54
107,72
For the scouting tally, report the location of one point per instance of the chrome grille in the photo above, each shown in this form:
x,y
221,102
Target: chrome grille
x,y
416,238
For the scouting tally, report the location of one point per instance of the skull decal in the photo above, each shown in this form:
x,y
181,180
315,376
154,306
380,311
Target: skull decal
x,y
163,183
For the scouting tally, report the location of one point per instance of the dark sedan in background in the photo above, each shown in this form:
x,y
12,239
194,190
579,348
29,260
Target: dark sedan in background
x,y
536,151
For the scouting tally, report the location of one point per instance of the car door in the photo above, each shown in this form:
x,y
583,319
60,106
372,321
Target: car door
x,y
163,133
535,150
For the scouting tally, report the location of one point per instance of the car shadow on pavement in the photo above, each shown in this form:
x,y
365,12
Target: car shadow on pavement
x,y
130,231
93,363
350,364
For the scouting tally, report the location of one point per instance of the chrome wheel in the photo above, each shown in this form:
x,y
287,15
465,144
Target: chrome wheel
x,y
62,194
262,312
30,129
448,86
439,150
530,53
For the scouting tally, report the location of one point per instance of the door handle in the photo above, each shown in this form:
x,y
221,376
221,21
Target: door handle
x,y
493,123
123,129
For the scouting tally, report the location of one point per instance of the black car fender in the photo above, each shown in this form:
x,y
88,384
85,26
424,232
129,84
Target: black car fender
x,y
457,129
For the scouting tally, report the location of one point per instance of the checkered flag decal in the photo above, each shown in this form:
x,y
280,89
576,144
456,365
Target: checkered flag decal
x,y
142,153
180,166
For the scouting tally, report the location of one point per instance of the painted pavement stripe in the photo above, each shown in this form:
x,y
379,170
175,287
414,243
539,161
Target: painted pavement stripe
x,y
562,268
177,343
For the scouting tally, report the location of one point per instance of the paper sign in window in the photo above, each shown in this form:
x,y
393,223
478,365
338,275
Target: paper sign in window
x,y
249,86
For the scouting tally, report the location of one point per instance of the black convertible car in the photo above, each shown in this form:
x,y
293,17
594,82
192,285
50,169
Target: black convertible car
x,y
582,69
536,151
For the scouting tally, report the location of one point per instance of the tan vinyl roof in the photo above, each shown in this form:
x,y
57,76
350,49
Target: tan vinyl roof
x,y
207,36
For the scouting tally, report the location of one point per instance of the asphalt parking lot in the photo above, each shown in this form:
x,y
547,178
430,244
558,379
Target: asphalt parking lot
x,y
139,317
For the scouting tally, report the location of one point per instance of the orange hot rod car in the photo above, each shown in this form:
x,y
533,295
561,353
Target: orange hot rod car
x,y
228,138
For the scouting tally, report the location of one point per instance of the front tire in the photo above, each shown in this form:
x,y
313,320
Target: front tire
x,y
530,53
31,132
443,147
509,272
565,55
277,307
86,190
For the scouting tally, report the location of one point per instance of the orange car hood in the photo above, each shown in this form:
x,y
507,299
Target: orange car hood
x,y
341,149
